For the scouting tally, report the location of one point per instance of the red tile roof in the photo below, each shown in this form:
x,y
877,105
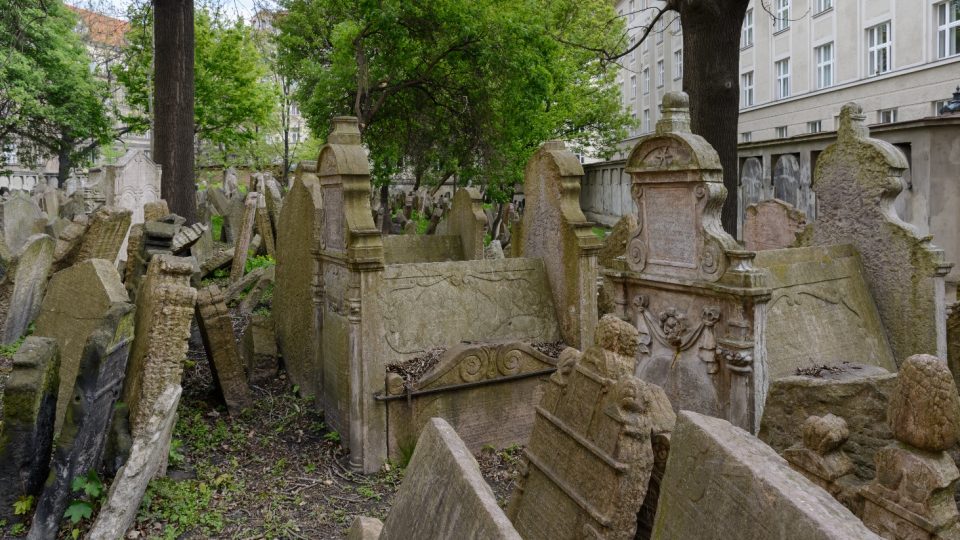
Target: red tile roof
x,y
104,30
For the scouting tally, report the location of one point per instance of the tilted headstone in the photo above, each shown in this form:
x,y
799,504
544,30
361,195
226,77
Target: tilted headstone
x,y
76,302
245,234
79,447
772,224
148,453
29,283
260,349
165,306
856,181
590,456
216,329
153,211
913,493
721,482
554,229
265,226
273,199
615,244
20,215
69,242
105,235
29,408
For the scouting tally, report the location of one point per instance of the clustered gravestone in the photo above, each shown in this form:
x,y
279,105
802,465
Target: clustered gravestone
x,y
216,329
29,282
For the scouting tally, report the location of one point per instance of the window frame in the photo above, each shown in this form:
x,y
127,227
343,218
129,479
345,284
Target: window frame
x,y
887,116
747,90
875,48
781,80
678,64
823,5
660,73
646,80
781,132
815,126
824,68
945,29
633,87
781,20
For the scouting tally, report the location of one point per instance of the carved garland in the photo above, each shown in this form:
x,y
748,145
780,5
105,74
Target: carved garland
x,y
672,329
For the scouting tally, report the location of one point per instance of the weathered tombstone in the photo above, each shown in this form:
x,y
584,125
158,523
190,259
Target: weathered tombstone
x,y
443,494
76,303
20,215
721,482
165,306
147,455
786,179
772,224
105,235
216,329
554,229
155,210
467,221
29,284
912,496
820,457
494,250
29,408
243,239
615,244
73,207
78,449
265,226
68,243
132,182
230,183
296,304
260,349
274,199
590,455
856,181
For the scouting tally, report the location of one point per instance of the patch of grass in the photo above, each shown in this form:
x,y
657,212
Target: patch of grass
x,y
183,506
260,261
216,227
601,232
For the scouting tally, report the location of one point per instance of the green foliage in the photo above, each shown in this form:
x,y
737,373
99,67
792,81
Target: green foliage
x,y
18,529
90,492
183,506
23,505
216,227
49,98
332,436
368,493
174,457
90,484
422,221
451,87
11,349
259,261
233,100
600,232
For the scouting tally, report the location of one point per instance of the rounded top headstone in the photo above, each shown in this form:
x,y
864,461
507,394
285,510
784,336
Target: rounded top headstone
x,y
924,410
676,100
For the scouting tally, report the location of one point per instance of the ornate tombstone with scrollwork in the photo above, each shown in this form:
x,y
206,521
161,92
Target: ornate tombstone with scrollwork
x,y
692,294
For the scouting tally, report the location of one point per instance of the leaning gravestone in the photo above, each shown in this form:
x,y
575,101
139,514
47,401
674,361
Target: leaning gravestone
x,y
20,215
244,236
77,299
721,482
105,235
26,435
772,224
615,244
29,284
260,349
79,447
216,329
165,305
857,179
147,454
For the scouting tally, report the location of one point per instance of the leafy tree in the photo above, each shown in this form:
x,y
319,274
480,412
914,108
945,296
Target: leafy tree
x,y
449,88
49,99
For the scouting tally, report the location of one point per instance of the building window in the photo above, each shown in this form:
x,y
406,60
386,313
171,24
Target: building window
x,y
948,29
814,127
295,135
823,5
781,132
782,20
678,64
646,80
658,28
886,116
824,56
9,154
879,47
659,73
746,33
782,69
633,44
632,11
746,89
633,87
633,127
937,105
646,120
746,136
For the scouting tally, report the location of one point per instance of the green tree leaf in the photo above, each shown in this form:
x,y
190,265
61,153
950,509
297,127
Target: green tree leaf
x,y
78,511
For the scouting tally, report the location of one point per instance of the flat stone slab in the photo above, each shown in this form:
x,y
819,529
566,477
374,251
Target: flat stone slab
x,y
722,483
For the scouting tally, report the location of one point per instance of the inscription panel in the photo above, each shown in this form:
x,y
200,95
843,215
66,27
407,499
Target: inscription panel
x,y
671,227
333,217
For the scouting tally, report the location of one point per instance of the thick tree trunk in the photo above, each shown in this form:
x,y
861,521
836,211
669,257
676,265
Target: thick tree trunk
x,y
64,164
711,71
173,104
386,221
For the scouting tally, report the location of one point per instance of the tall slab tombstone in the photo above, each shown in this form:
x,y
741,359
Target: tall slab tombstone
x,y
856,182
29,276
351,262
553,228
694,297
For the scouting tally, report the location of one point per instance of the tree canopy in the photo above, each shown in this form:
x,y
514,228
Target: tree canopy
x,y
50,102
234,101
448,87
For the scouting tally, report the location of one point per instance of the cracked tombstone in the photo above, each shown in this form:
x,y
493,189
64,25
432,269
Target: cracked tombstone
x,y
20,215
79,447
105,235
216,329
244,237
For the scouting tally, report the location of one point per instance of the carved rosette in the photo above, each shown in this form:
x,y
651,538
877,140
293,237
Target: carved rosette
x,y
671,329
490,363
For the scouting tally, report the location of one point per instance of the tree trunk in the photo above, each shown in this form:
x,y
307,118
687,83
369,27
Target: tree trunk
x,y
173,122
63,161
711,71
386,220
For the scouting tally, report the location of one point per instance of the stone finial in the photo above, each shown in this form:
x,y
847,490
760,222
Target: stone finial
x,y
924,410
617,336
852,122
675,113
346,130
825,434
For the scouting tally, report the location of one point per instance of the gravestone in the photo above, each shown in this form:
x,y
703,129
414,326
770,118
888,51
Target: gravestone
x,y
216,329
105,235
590,456
772,224
147,454
443,494
29,283
68,243
260,349
132,182
265,226
76,303
165,306
230,182
273,198
820,457
913,493
79,447
29,408
554,229
857,179
244,236
721,482
155,210
615,244
467,221
20,215
786,179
